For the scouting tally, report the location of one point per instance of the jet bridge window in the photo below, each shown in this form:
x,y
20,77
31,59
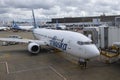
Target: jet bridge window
x,y
83,43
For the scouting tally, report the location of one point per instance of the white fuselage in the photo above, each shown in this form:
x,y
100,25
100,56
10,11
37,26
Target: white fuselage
x,y
26,27
67,41
4,28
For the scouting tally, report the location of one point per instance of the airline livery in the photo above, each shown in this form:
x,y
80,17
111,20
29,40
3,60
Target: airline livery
x,y
26,28
70,42
67,41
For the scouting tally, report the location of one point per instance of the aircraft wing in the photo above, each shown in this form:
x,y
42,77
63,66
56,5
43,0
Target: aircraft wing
x,y
40,42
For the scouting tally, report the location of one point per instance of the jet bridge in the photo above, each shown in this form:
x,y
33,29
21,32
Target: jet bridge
x,y
104,37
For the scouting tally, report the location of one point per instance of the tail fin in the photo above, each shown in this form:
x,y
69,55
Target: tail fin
x,y
57,25
34,21
60,27
14,25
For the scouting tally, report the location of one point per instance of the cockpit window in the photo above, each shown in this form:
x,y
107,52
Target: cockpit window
x,y
83,43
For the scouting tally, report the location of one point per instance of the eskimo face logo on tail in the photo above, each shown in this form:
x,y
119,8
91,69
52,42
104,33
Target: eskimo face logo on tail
x,y
58,43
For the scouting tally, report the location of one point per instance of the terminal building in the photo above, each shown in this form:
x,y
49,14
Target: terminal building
x,y
78,22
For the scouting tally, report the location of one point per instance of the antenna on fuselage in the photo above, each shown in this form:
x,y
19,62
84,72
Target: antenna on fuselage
x,y
34,21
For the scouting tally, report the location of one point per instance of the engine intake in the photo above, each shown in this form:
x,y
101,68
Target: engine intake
x,y
33,48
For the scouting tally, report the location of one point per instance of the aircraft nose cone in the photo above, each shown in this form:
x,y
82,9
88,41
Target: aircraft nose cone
x,y
92,51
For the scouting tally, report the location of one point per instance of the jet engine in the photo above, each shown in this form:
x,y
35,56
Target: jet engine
x,y
34,48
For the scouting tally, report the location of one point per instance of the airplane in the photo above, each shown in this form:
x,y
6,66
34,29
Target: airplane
x,y
26,28
69,42
2,28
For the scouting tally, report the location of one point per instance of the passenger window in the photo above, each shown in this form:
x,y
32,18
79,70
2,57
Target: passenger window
x,y
83,43
80,43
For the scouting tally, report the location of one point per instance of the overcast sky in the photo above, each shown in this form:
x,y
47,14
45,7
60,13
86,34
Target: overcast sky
x,y
21,9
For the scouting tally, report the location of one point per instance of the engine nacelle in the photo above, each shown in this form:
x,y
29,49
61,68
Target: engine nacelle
x,y
33,48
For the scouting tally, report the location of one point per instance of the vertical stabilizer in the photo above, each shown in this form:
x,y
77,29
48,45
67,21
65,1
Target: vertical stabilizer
x,y
34,21
15,26
57,25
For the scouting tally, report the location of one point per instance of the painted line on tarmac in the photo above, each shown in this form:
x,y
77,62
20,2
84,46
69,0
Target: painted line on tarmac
x,y
53,69
28,70
57,72
7,67
6,64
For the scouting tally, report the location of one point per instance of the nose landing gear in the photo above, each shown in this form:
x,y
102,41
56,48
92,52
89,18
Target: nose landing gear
x,y
83,63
